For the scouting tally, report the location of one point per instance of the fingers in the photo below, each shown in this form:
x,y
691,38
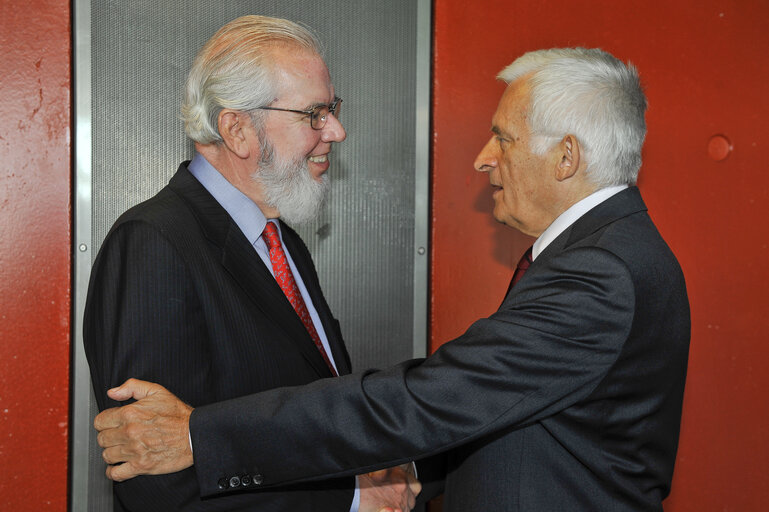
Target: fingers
x,y
409,468
415,486
402,485
150,436
109,418
113,455
110,437
134,388
379,476
408,485
121,472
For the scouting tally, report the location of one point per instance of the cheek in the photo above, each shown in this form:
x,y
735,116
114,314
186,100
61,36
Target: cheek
x,y
509,178
311,142
300,146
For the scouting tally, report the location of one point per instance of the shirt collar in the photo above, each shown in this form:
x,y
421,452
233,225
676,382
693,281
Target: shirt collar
x,y
571,215
243,210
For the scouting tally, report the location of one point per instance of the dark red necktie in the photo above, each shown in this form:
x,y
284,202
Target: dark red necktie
x,y
285,280
523,266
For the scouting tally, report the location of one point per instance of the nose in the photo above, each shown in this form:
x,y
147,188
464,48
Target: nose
x,y
333,131
486,160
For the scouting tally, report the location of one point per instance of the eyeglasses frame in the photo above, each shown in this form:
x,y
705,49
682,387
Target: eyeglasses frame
x,y
332,108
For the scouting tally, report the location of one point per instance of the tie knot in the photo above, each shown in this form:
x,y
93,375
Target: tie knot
x,y
525,261
270,235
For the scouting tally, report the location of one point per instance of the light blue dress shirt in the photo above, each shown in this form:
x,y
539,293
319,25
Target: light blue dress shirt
x,y
251,222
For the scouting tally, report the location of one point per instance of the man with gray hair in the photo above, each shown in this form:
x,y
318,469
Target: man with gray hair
x,y
204,288
568,397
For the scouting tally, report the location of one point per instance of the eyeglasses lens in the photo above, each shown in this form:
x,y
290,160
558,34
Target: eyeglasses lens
x,y
320,114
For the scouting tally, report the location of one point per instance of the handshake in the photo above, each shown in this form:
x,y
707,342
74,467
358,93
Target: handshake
x,y
151,437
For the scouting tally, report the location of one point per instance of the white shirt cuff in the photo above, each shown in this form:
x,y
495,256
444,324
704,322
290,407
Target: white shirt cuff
x,y
355,497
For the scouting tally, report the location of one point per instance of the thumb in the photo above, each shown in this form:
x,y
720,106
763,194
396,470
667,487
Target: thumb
x,y
379,476
134,388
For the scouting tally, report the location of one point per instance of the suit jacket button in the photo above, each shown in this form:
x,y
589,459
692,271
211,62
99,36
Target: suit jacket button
x,y
223,483
258,479
235,481
245,480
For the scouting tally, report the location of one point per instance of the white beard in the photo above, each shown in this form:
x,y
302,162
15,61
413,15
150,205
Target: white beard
x,y
288,186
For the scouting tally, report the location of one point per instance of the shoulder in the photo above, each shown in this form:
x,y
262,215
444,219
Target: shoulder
x,y
153,230
163,209
636,241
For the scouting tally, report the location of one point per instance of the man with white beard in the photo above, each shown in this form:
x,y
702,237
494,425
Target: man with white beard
x,y
204,287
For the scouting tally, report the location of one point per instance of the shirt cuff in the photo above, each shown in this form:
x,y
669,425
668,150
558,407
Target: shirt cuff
x,y
355,498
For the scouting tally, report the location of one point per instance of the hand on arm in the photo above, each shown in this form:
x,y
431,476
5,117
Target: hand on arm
x,y
389,490
148,437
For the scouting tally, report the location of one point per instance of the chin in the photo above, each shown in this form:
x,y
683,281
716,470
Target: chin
x,y
497,216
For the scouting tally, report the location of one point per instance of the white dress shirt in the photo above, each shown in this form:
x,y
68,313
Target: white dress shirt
x,y
571,216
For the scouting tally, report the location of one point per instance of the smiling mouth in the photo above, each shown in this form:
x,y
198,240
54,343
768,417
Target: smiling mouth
x,y
320,159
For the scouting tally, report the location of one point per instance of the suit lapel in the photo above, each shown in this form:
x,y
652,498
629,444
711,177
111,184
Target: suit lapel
x,y
240,260
304,265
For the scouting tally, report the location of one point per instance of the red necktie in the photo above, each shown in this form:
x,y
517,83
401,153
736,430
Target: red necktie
x,y
285,279
523,266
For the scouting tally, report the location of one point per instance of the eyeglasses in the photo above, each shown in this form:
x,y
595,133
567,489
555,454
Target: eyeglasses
x,y
317,115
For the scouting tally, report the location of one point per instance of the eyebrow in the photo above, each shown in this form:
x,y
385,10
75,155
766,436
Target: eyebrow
x,y
496,130
321,104
316,105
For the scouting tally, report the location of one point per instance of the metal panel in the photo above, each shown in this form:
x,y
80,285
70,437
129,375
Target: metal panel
x,y
370,242
82,458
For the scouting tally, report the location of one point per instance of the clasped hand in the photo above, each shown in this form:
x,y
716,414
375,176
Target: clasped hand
x,y
389,490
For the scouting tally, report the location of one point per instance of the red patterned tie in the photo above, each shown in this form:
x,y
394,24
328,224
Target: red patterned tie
x,y
285,279
523,266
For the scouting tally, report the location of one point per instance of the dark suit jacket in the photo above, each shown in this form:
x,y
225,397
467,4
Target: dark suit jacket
x,y
567,398
179,296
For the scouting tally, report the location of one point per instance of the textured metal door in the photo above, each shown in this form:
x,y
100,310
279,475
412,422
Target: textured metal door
x,y
369,244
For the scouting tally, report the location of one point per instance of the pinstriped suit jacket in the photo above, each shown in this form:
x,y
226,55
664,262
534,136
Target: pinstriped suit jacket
x,y
178,296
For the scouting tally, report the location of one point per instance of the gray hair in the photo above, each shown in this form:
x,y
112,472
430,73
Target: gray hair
x,y
234,70
595,97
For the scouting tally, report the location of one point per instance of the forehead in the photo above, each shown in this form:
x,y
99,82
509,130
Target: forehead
x,y
513,108
301,75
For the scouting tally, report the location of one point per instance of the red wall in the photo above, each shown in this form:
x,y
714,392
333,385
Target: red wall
x,y
34,253
705,65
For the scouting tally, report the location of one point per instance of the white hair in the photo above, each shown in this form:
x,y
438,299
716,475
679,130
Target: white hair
x,y
289,187
234,70
592,95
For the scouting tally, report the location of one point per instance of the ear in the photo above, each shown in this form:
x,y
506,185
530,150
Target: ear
x,y
234,127
569,158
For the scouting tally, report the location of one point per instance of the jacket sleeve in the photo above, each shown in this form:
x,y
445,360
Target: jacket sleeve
x,y
547,347
143,320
